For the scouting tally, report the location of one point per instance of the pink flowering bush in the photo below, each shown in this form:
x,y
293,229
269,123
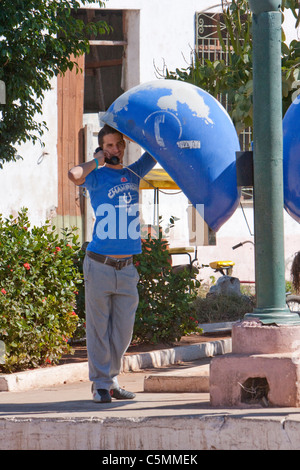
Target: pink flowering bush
x,y
39,278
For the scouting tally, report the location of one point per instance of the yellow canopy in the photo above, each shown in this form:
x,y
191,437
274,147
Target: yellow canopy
x,y
159,178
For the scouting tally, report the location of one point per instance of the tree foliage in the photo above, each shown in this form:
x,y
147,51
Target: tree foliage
x,y
37,41
234,77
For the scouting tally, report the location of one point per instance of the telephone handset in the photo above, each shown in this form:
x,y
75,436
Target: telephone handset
x,y
115,161
112,160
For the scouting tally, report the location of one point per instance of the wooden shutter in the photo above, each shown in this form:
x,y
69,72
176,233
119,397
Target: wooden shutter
x,y
70,96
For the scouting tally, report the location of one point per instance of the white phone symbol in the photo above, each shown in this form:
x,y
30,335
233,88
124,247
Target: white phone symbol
x,y
159,119
154,121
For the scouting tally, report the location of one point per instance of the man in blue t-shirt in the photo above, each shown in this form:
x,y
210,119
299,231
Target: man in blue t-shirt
x,y
110,277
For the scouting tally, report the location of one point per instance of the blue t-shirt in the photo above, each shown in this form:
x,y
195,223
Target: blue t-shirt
x,y
114,195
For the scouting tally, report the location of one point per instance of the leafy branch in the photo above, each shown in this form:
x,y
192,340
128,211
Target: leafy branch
x,y
38,41
233,77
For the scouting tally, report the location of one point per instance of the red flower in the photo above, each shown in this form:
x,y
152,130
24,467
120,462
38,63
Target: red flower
x,y
26,266
3,291
57,248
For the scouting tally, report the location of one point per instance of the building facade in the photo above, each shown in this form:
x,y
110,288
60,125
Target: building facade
x,y
146,38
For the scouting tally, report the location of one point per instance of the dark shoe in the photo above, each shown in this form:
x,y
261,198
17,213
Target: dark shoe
x,y
121,394
101,396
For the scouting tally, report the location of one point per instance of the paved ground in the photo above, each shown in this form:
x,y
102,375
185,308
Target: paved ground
x,y
64,417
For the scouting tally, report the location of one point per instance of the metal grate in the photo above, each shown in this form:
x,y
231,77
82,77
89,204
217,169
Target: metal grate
x,y
207,41
208,47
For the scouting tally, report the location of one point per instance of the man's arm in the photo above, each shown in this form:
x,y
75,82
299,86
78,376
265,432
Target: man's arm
x,y
143,165
78,173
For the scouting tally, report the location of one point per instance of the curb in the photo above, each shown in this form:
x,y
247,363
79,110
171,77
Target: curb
x,y
70,373
164,357
195,379
216,327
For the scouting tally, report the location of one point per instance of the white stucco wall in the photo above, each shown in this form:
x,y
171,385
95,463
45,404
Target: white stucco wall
x,y
167,33
31,182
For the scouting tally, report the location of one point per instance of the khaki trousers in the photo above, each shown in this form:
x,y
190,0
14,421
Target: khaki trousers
x,y
111,300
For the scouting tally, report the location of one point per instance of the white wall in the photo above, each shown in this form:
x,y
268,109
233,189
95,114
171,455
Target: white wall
x,y
167,32
289,28
31,182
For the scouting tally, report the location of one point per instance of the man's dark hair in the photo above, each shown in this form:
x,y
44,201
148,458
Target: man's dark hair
x,y
295,272
106,129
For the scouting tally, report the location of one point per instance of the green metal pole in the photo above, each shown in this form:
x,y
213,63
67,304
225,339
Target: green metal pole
x,y
268,172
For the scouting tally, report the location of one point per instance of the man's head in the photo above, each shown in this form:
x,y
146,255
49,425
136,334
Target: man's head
x,y
112,141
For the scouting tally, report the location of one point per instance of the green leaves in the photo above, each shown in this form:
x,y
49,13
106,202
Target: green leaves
x,y
234,78
164,313
292,5
290,73
38,281
37,40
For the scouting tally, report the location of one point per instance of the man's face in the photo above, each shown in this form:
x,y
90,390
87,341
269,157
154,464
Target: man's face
x,y
114,144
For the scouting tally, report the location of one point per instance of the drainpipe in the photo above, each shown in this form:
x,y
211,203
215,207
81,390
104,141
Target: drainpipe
x,y
2,93
2,96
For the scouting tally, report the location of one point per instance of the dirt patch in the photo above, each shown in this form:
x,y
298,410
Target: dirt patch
x,y
80,351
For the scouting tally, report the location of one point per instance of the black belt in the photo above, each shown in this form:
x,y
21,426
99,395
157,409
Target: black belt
x,y
116,263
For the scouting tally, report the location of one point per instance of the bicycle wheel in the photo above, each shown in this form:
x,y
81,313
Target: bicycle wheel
x,y
293,302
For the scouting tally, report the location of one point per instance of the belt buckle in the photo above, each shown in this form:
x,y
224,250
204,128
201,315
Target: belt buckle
x,y
119,265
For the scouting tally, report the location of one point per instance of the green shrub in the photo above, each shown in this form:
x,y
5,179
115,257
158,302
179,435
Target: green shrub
x,y
222,308
38,286
165,310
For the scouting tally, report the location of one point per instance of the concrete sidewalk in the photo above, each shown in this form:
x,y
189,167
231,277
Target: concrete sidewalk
x,y
69,373
62,416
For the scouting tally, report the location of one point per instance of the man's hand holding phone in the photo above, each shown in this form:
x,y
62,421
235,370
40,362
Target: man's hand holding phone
x,y
100,155
106,157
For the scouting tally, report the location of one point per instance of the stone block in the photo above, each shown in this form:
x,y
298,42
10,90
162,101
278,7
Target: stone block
x,y
239,380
